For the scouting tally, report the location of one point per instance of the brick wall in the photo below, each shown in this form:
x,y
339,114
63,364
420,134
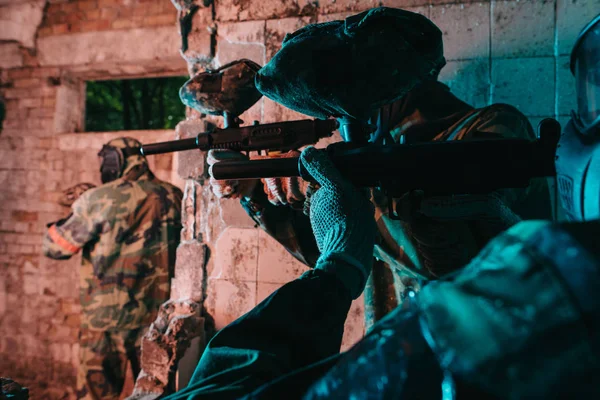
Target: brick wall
x,y
498,51
41,153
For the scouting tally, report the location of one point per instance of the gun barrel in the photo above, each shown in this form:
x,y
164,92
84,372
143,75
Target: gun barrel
x,y
280,167
477,166
169,147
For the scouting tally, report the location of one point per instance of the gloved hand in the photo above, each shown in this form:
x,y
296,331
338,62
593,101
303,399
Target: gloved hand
x,y
342,218
280,191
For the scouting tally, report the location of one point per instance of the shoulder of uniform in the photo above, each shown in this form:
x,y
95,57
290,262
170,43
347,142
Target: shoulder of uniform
x,y
527,229
502,108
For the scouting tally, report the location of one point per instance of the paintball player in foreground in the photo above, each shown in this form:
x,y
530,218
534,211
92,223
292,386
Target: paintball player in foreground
x,y
128,230
382,66
520,321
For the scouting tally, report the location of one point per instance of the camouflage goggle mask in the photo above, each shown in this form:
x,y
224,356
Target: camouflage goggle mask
x,y
112,165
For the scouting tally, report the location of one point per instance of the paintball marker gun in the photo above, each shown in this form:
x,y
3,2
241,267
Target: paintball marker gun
x,y
478,166
228,92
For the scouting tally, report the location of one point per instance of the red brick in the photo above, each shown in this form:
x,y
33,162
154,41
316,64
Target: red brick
x,y
87,5
27,83
93,15
37,72
53,9
12,123
109,13
41,112
100,25
159,20
75,18
16,93
33,123
30,103
122,24
42,32
61,29
109,3
30,59
49,101
140,10
69,7
152,8
20,73
73,321
168,6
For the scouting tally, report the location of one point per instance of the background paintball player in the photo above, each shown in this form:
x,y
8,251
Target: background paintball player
x,y
128,230
388,61
521,321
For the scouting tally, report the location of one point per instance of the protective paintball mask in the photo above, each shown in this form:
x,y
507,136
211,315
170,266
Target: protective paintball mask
x,y
578,153
112,165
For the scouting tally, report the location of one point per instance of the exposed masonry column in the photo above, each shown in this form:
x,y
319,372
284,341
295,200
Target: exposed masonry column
x,y
174,342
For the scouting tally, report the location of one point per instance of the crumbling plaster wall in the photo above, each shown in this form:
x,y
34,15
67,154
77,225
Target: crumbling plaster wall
x,y
47,50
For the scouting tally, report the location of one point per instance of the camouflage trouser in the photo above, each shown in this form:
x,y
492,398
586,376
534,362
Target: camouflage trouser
x,y
104,358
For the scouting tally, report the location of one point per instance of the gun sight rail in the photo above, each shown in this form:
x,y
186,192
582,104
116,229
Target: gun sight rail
x,y
281,136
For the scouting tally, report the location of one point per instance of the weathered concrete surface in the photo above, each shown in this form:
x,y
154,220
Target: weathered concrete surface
x,y
469,80
10,55
191,162
571,17
97,47
526,83
69,114
465,28
241,40
523,28
19,21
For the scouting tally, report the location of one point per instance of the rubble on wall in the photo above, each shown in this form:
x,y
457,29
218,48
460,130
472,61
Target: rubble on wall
x,y
167,339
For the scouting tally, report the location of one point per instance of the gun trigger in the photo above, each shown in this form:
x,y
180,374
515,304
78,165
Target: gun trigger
x,y
392,214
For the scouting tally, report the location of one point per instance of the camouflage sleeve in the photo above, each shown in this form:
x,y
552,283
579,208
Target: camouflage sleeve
x,y
66,237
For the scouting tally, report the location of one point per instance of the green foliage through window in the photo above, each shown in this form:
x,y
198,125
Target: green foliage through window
x,y
133,104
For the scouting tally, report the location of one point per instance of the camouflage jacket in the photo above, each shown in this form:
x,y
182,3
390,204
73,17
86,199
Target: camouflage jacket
x,y
424,247
523,314
128,231
519,322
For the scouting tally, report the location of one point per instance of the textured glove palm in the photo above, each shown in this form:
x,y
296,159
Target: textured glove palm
x,y
342,218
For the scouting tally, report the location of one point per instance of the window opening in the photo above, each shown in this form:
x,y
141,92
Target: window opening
x,y
133,104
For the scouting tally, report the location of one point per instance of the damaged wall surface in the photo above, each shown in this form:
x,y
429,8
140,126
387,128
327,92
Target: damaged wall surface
x,y
48,49
498,51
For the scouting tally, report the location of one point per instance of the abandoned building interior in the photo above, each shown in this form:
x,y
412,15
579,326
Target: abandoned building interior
x,y
58,58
